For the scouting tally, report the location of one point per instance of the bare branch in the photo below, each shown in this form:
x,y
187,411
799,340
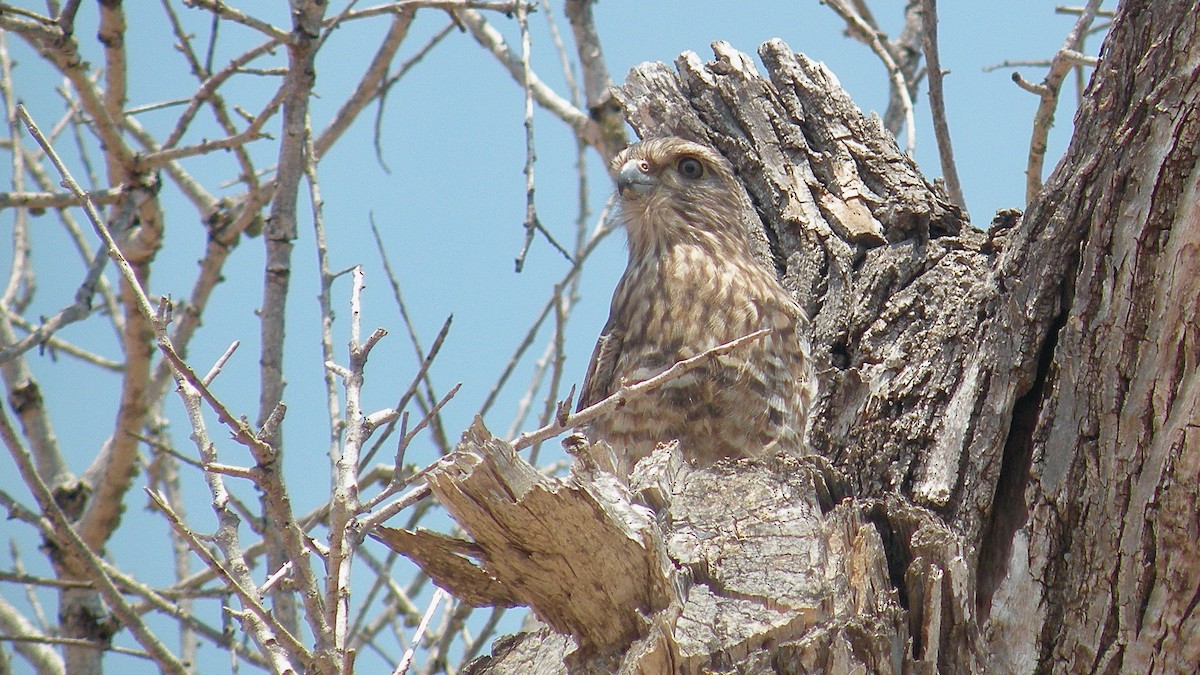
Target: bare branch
x,y
1039,63
55,200
78,310
344,505
406,660
43,659
424,398
597,83
875,39
603,228
371,86
531,219
80,556
75,642
386,86
279,233
532,223
266,630
405,398
1063,9
1043,119
396,484
627,391
937,102
38,19
115,464
546,97
276,496
1077,59
237,16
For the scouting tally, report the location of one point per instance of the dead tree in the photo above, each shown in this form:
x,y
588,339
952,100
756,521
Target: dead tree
x,y
1006,447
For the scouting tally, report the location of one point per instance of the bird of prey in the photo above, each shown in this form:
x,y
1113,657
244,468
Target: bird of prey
x,y
692,284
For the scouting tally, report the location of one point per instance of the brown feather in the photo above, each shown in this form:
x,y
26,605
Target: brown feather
x,y
692,284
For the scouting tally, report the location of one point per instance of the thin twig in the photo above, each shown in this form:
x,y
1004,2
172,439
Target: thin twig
x,y
603,228
384,514
629,391
1034,63
371,85
235,15
162,473
406,660
247,596
55,200
398,605
491,39
1063,9
78,310
325,305
220,363
531,219
406,397
161,601
426,398
485,635
937,102
76,642
386,87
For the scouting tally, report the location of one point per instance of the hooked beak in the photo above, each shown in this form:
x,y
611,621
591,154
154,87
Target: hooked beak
x,y
634,179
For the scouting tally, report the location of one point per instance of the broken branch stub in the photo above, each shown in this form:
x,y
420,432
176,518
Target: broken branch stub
x,y
590,566
749,561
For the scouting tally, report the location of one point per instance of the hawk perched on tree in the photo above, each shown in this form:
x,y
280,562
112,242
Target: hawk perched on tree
x,y
692,284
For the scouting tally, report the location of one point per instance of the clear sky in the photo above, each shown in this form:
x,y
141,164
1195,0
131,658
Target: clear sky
x,y
452,205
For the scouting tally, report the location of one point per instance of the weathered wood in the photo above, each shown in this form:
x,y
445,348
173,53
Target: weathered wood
x,y
589,563
894,278
761,562
1104,573
1008,461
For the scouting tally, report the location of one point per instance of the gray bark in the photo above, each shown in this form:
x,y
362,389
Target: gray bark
x,y
1005,447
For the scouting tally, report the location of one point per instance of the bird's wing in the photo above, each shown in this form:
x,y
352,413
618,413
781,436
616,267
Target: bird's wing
x,y
599,382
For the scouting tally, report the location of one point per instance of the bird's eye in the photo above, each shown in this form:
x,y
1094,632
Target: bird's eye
x,y
690,167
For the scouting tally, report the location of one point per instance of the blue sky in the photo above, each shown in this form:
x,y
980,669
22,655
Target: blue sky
x,y
451,208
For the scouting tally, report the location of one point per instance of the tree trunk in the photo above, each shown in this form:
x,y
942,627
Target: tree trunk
x,y
1007,439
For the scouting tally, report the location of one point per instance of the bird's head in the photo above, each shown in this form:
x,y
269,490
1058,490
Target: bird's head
x,y
673,190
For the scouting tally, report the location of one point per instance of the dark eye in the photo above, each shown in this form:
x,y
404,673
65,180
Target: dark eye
x,y
690,167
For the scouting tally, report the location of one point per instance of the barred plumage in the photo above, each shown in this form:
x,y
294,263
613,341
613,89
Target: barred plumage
x,y
692,284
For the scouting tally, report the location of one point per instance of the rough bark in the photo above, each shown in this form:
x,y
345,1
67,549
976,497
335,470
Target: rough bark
x,y
1102,572
1007,454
